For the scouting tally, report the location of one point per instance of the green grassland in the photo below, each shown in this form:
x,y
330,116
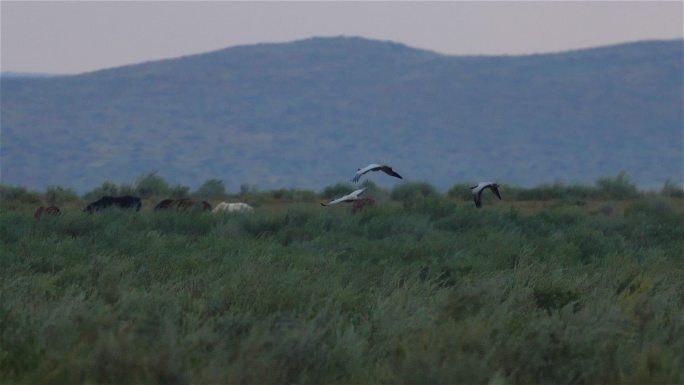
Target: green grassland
x,y
421,288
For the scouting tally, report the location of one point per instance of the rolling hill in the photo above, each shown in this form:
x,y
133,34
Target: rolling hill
x,y
308,113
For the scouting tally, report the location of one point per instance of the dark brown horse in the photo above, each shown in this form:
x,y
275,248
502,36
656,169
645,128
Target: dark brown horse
x,y
164,205
206,206
181,204
50,210
184,204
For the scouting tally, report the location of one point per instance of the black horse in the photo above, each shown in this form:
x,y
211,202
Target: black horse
x,y
124,202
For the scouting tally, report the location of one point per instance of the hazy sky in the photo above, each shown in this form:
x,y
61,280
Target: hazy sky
x,y
72,37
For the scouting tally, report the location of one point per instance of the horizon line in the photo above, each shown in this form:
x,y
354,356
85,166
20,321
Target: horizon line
x,y
13,73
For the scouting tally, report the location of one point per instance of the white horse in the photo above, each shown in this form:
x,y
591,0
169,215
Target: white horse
x,y
232,208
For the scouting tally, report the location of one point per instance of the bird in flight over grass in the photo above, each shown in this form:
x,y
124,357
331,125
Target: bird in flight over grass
x,y
353,196
477,191
375,167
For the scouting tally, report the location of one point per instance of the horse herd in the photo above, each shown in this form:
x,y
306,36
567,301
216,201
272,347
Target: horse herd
x,y
131,202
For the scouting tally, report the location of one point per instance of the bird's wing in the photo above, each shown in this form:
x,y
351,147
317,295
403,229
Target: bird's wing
x,y
481,186
495,189
336,201
477,198
356,193
345,198
388,170
370,167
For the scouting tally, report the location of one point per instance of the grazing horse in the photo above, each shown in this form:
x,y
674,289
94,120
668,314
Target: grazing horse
x,y
181,204
184,204
206,206
361,204
124,202
232,207
163,205
50,210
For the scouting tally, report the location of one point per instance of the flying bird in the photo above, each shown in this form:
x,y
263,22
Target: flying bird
x,y
353,196
375,167
477,191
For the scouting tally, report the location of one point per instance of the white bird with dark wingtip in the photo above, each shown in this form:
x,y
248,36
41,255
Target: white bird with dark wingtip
x,y
375,167
477,191
353,196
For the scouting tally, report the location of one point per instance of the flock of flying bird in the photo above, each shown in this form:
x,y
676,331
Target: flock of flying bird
x,y
356,195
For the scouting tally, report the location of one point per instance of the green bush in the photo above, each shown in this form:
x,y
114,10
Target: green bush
x,y
106,189
57,195
179,191
293,195
18,195
412,192
336,191
461,191
555,191
151,185
618,187
127,189
672,189
211,189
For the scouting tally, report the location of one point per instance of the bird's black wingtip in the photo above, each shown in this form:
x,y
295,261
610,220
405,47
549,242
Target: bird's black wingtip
x,y
478,202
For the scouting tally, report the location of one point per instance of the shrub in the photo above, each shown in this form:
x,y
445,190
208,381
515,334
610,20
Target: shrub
x,y
179,191
107,188
211,189
8,194
556,190
619,187
337,190
554,298
246,188
293,195
127,189
413,191
57,195
656,207
672,189
461,191
151,185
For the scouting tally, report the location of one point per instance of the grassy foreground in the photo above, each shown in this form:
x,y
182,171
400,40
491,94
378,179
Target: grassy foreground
x,y
431,291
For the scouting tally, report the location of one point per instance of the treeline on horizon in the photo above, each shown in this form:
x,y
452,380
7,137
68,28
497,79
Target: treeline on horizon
x,y
153,186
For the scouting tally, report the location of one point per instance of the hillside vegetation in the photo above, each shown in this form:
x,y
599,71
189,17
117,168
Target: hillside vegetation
x,y
303,114
422,288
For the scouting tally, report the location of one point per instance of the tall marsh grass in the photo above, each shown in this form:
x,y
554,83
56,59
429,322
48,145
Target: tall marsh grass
x,y
423,290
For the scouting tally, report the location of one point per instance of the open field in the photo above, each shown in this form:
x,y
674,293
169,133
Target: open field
x,y
424,289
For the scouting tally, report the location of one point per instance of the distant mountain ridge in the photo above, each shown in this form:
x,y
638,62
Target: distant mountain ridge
x,y
308,113
13,74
